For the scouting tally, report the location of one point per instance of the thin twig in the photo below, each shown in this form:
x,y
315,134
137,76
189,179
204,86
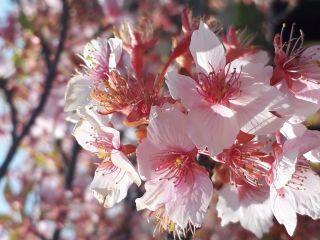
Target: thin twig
x,y
13,111
72,165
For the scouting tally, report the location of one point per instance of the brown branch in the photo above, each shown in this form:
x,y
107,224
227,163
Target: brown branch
x,y
8,93
72,165
52,68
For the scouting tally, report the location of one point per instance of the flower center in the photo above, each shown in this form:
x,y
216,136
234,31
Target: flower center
x,y
164,223
247,163
107,167
218,87
116,93
177,165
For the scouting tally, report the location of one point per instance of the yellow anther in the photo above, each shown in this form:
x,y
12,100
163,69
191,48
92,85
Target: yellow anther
x,y
171,227
179,161
103,155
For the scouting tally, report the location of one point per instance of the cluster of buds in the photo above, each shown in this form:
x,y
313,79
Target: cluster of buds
x,y
224,103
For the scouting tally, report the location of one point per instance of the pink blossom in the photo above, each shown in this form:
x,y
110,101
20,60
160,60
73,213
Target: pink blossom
x,y
307,141
293,185
297,73
222,98
246,204
178,189
115,174
100,56
247,163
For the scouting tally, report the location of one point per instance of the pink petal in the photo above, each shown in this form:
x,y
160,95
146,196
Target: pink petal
x,y
214,127
207,50
301,108
248,205
184,88
250,72
293,130
146,154
168,130
157,193
308,141
254,108
189,202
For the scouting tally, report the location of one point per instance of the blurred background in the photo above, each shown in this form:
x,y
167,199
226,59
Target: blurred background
x,y
44,174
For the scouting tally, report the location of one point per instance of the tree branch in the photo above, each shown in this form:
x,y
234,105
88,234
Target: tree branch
x,y
72,165
45,94
8,93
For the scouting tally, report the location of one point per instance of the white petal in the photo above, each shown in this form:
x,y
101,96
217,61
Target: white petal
x,y
77,93
284,209
87,131
85,135
313,156
115,51
292,130
121,161
96,52
207,50
284,167
110,188
90,114
307,196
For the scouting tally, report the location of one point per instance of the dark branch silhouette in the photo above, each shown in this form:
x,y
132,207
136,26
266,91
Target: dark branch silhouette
x,y
8,93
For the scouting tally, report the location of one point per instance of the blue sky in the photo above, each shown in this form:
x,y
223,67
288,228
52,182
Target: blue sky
x,y
5,7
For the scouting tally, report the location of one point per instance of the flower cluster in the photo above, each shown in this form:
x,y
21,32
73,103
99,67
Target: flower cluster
x,y
220,100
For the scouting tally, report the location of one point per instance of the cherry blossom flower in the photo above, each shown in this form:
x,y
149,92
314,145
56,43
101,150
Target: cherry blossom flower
x,y
246,204
178,189
293,184
247,163
115,174
221,98
99,61
297,73
309,147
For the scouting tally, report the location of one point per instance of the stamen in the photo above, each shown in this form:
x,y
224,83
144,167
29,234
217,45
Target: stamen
x,y
219,87
177,166
246,163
